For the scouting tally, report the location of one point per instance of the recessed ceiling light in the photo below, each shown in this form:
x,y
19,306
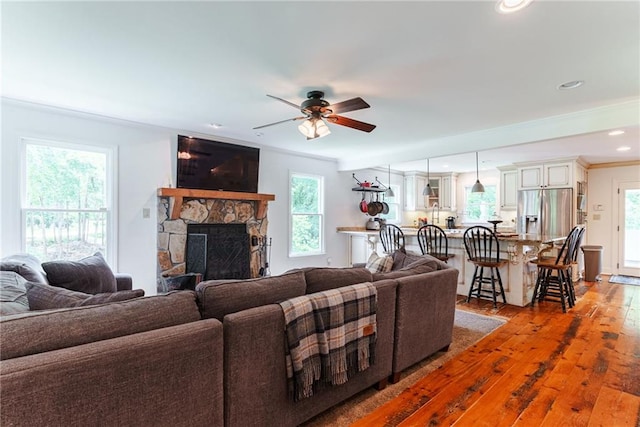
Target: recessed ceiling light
x,y
623,148
259,133
215,125
571,85
510,6
616,132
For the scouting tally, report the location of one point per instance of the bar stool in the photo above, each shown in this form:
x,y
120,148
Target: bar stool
x,y
392,238
483,249
554,273
433,241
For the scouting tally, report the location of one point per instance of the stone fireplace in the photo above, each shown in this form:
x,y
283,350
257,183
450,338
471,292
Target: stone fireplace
x,y
179,208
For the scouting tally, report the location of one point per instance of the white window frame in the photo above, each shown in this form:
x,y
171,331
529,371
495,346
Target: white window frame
x,y
321,214
111,153
481,221
397,204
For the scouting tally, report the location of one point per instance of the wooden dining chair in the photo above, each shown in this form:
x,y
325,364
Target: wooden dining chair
x,y
483,251
392,238
433,241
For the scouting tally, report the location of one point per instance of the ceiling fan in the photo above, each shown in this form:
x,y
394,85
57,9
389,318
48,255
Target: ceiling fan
x,y
316,110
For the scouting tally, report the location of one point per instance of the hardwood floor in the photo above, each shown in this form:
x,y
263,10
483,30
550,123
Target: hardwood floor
x,y
543,368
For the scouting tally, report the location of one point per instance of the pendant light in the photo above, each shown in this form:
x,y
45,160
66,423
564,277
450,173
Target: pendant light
x,y
428,191
477,187
389,192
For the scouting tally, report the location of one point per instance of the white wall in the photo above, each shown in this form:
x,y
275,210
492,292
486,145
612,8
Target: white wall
x,y
602,189
145,156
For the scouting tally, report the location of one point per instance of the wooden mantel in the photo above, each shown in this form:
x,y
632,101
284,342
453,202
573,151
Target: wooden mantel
x,y
179,194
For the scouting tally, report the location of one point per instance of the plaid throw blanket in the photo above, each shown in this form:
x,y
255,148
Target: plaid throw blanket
x,y
330,336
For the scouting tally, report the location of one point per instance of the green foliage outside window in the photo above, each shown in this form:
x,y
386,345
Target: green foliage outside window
x,y
480,206
306,214
64,212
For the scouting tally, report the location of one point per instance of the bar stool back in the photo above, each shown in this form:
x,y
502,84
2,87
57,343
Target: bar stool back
x,y
392,238
483,250
433,241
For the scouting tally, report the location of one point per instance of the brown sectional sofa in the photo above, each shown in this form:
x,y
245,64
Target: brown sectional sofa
x,y
416,306
214,357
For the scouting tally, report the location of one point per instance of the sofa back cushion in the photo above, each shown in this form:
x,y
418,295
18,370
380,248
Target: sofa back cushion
x,y
47,297
324,278
412,264
13,293
91,275
27,266
217,298
41,331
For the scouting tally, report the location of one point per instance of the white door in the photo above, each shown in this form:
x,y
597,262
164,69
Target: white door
x,y
629,229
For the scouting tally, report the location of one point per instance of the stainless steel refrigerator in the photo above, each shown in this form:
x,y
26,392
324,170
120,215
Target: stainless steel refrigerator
x,y
545,212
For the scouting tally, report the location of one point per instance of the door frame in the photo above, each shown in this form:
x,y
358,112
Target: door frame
x,y
620,268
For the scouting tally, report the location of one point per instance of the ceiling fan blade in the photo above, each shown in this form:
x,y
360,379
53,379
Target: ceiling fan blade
x,y
281,121
285,101
348,105
355,124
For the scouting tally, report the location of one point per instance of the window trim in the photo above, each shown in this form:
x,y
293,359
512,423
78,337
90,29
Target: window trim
x,y
477,221
111,197
321,214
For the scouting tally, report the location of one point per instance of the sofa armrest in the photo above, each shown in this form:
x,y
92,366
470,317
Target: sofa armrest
x,y
124,282
170,376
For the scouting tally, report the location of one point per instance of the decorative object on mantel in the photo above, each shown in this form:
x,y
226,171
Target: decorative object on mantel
x,y
179,194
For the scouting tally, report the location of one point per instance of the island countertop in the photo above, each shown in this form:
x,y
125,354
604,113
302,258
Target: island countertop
x,y
523,239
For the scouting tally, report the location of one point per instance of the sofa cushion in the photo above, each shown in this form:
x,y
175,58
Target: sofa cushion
x,y
379,264
27,266
46,297
324,278
90,275
13,293
217,298
423,264
40,331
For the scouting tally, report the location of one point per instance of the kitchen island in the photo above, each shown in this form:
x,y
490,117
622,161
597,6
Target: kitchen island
x,y
518,276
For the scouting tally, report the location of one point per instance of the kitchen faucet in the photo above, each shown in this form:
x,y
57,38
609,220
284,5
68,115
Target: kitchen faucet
x,y
433,210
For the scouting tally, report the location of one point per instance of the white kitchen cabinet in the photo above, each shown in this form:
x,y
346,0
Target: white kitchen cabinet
x,y
448,185
414,200
548,175
508,189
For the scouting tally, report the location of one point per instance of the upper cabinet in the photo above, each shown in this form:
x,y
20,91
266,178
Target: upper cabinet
x,y
413,198
508,189
448,185
444,191
548,175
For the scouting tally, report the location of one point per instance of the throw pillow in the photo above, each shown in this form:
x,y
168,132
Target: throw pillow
x,y
13,294
46,297
378,264
27,266
90,275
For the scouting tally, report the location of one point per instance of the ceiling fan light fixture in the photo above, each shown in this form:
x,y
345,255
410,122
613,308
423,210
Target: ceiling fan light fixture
x,y
511,6
314,128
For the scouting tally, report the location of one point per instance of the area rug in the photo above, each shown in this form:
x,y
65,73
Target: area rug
x,y
468,329
625,280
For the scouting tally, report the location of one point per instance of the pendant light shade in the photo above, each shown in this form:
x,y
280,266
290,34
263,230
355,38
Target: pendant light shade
x,y
428,191
477,187
389,192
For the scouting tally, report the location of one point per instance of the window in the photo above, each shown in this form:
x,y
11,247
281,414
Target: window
x,y
307,215
66,206
394,206
480,206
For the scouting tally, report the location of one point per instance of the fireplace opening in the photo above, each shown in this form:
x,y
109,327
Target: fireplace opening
x,y
218,251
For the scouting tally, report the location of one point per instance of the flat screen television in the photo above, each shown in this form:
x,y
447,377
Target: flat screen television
x,y
213,165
